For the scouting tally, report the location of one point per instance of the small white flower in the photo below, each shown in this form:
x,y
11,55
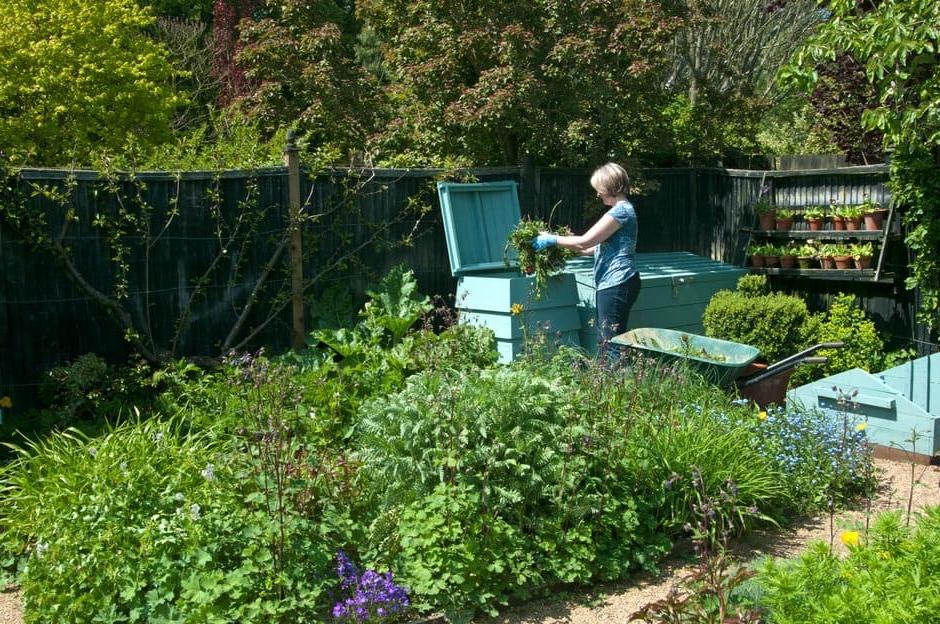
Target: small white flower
x,y
158,436
93,451
208,473
41,548
195,511
178,497
123,466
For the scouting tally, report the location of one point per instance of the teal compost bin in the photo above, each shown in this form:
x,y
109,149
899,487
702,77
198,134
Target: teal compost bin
x,y
677,287
901,405
478,219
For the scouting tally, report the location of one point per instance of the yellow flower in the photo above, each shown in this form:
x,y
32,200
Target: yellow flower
x,y
861,426
516,309
762,415
6,402
850,538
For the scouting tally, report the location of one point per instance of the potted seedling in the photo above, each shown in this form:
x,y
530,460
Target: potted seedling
x,y
766,213
806,256
756,255
784,219
862,254
873,214
788,255
825,256
842,256
815,217
853,217
771,256
835,213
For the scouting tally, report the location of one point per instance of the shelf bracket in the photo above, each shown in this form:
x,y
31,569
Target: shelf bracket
x,y
884,239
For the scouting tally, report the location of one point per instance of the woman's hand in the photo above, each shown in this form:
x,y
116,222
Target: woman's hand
x,y
544,240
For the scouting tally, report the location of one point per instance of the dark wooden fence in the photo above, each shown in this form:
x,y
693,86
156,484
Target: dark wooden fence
x,y
45,319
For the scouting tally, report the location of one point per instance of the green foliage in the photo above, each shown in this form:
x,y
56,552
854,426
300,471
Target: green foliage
x,y
777,324
187,9
147,523
896,41
893,575
299,61
753,285
844,322
564,83
78,78
543,263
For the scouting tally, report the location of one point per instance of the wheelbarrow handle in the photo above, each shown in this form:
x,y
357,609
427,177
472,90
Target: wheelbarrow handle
x,y
788,362
780,367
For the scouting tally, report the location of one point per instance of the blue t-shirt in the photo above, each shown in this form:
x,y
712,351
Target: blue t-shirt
x,y
614,259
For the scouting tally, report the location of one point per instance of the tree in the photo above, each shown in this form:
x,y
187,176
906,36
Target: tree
x,y
299,60
78,76
567,83
897,42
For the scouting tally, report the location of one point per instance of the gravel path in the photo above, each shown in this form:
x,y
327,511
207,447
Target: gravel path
x,y
615,602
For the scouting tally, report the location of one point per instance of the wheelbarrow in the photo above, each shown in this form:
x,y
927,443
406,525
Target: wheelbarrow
x,y
723,362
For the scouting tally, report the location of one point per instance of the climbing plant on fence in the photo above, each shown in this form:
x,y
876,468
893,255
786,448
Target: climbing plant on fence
x,y
120,239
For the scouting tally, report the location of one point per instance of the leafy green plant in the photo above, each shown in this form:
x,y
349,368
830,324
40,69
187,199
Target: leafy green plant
x,y
764,206
859,250
786,213
753,285
777,324
891,575
850,211
543,263
814,212
844,322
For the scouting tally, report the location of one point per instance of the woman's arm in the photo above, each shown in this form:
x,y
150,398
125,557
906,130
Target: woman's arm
x,y
585,243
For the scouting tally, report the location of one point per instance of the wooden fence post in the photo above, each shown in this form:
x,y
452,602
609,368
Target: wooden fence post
x,y
292,162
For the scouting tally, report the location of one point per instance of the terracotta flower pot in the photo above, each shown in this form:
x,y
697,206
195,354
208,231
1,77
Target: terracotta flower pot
x,y
787,262
875,220
844,262
838,223
863,262
757,260
806,262
768,220
815,224
772,261
784,224
826,262
853,223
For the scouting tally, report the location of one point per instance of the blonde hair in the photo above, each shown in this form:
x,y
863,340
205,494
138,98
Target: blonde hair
x,y
610,179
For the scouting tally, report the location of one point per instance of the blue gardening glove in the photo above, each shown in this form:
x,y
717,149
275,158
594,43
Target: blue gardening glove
x,y
542,241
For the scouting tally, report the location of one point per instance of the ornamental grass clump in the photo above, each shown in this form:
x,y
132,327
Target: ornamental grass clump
x,y
543,263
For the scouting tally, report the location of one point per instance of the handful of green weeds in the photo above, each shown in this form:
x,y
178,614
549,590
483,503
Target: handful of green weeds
x,y
542,264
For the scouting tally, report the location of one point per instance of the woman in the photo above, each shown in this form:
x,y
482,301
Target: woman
x,y
612,240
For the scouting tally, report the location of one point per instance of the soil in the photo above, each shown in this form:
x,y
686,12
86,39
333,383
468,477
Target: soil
x,y
616,602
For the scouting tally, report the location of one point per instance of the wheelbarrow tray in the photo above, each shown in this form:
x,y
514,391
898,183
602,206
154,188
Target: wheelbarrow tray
x,y
719,361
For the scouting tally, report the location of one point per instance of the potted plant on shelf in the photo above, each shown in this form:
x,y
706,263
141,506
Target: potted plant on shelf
x,y
874,214
784,219
766,214
842,256
788,254
815,217
756,255
862,254
806,256
825,256
835,213
853,217
771,256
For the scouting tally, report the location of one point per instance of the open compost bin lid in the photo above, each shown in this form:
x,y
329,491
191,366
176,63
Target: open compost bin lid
x,y
478,219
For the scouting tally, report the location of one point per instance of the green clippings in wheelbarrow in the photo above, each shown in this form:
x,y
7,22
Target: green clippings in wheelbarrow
x,y
720,361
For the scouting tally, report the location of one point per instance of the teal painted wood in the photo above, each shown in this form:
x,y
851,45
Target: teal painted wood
x,y
891,417
527,323
478,219
676,289
499,291
918,380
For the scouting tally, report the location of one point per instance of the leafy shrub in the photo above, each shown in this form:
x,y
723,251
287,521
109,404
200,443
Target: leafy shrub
x,y
893,575
147,524
753,285
844,322
779,325
513,443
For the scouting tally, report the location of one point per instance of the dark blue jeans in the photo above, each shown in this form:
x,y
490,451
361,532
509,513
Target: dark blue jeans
x,y
613,313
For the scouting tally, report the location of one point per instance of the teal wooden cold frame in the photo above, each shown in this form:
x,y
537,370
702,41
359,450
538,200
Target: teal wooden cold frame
x,y
896,403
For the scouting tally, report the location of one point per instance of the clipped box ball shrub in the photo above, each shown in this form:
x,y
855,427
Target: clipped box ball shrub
x,y
777,324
